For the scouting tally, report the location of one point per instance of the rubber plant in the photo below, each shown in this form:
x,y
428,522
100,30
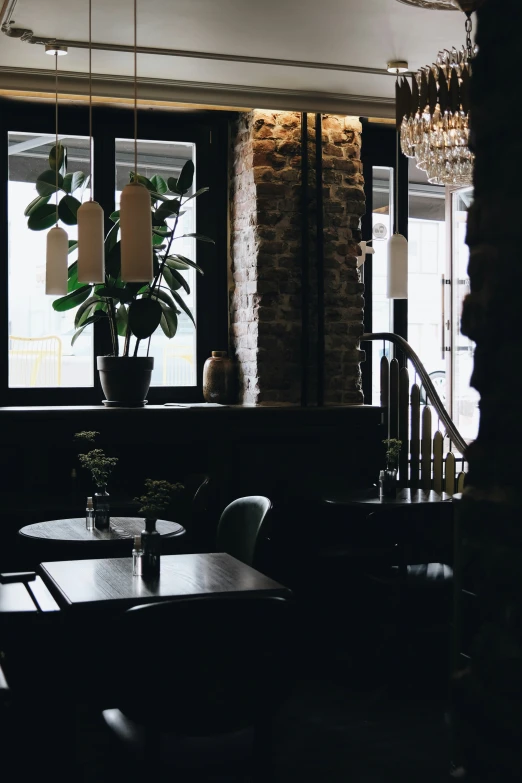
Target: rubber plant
x,y
131,309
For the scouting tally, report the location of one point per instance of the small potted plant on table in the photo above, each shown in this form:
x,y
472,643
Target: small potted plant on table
x,y
101,466
155,501
388,477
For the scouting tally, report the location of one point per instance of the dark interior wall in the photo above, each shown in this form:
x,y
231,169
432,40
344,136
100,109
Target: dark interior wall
x,y
289,454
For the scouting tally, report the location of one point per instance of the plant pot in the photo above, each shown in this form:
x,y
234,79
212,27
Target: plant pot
x,y
102,511
388,484
125,380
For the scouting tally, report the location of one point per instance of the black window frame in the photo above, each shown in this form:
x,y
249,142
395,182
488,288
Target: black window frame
x,y
208,130
379,149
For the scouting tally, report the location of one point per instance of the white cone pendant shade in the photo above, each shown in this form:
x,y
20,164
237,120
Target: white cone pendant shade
x,y
91,251
397,282
136,234
56,261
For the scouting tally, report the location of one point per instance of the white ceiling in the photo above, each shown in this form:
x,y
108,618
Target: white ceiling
x,y
361,33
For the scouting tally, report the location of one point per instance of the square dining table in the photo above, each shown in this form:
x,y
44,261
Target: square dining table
x,y
109,582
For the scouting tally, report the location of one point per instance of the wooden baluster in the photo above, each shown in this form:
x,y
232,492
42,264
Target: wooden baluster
x,y
404,404
449,473
426,449
460,481
385,381
394,399
415,437
438,443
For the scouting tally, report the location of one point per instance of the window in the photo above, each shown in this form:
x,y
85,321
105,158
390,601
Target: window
x,y
41,366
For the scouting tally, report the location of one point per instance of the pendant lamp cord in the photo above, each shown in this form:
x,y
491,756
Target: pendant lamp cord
x,y
135,90
91,184
397,174
56,153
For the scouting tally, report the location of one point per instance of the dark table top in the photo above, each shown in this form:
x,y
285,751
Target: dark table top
x,y
82,584
404,498
74,530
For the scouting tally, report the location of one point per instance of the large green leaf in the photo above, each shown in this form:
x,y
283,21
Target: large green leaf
x,y
159,185
39,201
122,320
113,260
130,290
68,210
84,311
144,317
161,231
166,210
46,183
182,262
91,320
169,321
58,158
200,237
110,291
43,217
115,216
142,180
183,306
157,241
172,182
186,177
73,181
158,293
73,245
71,300
72,275
112,237
196,194
175,280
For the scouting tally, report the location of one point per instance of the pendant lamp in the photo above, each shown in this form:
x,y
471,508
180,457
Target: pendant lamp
x,y
397,278
57,253
135,209
91,249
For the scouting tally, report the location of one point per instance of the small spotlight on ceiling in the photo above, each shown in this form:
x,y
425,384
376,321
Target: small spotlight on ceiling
x,y
53,49
397,66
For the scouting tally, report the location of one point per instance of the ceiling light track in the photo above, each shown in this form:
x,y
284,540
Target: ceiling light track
x,y
28,36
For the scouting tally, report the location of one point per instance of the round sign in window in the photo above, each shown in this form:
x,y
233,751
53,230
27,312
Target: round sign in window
x,y
380,231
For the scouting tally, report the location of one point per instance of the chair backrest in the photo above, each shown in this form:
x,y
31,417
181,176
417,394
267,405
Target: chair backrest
x,y
240,526
178,366
35,361
204,666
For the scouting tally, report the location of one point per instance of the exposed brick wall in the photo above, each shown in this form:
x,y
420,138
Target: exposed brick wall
x,y
266,257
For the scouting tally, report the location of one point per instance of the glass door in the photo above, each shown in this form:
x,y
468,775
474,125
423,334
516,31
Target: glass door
x,y
459,349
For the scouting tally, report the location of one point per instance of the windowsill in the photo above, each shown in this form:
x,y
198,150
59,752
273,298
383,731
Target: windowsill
x,y
42,409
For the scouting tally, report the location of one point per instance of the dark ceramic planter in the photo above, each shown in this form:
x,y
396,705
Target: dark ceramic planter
x,y
125,380
388,484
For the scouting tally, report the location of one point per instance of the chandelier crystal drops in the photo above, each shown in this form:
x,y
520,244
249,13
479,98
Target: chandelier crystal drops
x,y
434,116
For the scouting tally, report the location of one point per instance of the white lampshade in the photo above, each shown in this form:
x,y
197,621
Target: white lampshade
x,y
136,234
56,261
397,283
91,251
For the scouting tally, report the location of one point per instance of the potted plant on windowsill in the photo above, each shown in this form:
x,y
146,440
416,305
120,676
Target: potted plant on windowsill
x,y
388,477
100,466
131,310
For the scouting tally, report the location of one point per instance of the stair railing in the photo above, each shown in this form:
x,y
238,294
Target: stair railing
x,y
423,464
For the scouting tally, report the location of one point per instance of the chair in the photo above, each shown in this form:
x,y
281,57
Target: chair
x,y
198,681
243,527
178,366
35,361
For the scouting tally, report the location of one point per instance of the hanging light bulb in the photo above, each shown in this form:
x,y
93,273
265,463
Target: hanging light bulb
x,y
397,278
135,209
91,249
57,252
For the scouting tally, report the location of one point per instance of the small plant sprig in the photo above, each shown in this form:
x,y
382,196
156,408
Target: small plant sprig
x,y
393,449
95,460
157,497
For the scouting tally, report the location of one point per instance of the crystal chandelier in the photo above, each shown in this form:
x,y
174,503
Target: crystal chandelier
x,y
433,116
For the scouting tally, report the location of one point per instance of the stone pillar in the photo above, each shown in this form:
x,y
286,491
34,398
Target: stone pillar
x,y
266,312
488,704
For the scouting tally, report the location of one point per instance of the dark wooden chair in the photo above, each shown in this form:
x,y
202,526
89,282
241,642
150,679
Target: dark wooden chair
x,y
243,529
229,667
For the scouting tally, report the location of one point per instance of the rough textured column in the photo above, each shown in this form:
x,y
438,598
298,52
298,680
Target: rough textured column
x,y
267,256
488,692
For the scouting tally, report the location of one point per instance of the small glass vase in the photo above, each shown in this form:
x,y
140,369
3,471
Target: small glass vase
x,y
151,543
102,511
388,484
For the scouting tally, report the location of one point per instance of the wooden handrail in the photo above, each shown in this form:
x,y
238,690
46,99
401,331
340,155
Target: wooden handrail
x,y
452,432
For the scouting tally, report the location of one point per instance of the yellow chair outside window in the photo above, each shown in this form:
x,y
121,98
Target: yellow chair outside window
x,y
178,366
35,361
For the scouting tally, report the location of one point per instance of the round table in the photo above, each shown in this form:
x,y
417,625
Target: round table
x,y
69,539
405,498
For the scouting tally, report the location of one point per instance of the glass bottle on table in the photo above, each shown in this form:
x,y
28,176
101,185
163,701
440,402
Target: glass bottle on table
x,y
137,557
89,514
